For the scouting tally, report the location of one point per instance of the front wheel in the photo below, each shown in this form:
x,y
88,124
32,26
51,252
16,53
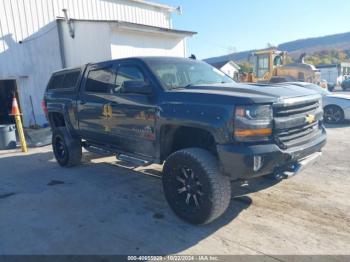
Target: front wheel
x,y
67,150
194,188
333,114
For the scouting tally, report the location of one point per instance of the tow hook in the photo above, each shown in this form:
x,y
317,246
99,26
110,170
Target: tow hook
x,y
288,172
294,168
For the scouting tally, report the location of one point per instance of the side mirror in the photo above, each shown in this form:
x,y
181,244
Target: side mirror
x,y
136,87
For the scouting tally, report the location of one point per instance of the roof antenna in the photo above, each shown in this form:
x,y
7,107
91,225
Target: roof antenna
x,y
69,23
192,57
179,10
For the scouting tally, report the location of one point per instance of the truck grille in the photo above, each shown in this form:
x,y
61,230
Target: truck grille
x,y
297,121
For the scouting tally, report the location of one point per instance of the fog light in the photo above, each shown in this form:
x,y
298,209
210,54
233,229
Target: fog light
x,y
257,163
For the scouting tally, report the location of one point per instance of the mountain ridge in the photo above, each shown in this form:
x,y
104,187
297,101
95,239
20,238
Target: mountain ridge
x,y
296,47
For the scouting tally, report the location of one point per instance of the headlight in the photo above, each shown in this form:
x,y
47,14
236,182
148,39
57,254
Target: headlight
x,y
253,123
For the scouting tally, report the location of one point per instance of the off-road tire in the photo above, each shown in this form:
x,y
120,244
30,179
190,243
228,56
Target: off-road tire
x,y
216,188
72,150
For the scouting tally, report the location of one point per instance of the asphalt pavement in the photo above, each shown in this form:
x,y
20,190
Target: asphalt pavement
x,y
101,208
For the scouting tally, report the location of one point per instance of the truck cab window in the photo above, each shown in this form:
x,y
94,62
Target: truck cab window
x,y
277,61
263,65
56,81
128,73
70,79
101,81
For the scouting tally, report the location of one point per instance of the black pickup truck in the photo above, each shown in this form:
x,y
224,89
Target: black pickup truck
x,y
205,128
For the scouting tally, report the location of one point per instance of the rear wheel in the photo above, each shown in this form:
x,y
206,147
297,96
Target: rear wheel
x,y
194,188
333,114
67,150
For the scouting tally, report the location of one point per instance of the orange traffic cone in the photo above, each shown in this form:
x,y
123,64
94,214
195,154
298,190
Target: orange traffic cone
x,y
17,115
15,109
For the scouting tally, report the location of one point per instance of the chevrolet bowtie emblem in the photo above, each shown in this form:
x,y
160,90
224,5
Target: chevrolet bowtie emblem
x,y
310,119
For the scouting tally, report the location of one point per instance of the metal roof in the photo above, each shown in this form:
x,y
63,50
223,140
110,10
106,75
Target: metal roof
x,y
326,65
161,6
219,65
341,64
135,26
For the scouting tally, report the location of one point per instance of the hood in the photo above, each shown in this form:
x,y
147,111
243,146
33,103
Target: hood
x,y
343,96
255,92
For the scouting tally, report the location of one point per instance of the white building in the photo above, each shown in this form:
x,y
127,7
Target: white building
x,y
334,73
36,39
229,67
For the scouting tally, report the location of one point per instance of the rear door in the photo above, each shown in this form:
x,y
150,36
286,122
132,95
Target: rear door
x,y
95,94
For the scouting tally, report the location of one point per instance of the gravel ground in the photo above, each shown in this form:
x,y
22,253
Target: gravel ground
x,y
100,208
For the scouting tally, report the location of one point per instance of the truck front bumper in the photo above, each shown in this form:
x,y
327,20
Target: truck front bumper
x,y
249,161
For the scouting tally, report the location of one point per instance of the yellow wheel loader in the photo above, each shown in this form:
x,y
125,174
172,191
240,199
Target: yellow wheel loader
x,y
269,66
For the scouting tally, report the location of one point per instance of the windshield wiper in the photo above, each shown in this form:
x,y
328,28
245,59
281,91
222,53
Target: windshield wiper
x,y
189,85
196,84
176,87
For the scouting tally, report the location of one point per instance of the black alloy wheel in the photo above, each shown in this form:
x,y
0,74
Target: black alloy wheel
x,y
67,149
194,187
333,114
189,188
60,148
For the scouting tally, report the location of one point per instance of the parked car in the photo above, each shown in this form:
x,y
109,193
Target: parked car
x,y
336,107
345,84
205,128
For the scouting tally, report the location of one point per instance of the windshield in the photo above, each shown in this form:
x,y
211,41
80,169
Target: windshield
x,y
185,73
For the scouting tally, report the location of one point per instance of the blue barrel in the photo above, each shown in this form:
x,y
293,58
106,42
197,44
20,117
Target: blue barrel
x,y
7,137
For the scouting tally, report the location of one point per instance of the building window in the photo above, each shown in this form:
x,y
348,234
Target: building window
x,y
101,81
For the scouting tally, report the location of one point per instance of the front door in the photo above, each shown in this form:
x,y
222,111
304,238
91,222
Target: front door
x,y
133,117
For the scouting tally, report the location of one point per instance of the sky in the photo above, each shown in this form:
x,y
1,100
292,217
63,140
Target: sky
x,y
227,26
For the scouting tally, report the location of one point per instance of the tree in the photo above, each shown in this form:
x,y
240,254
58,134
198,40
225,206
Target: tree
x,y
341,55
330,56
288,59
313,60
246,67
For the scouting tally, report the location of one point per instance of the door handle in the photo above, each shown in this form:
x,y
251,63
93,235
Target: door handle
x,y
82,102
